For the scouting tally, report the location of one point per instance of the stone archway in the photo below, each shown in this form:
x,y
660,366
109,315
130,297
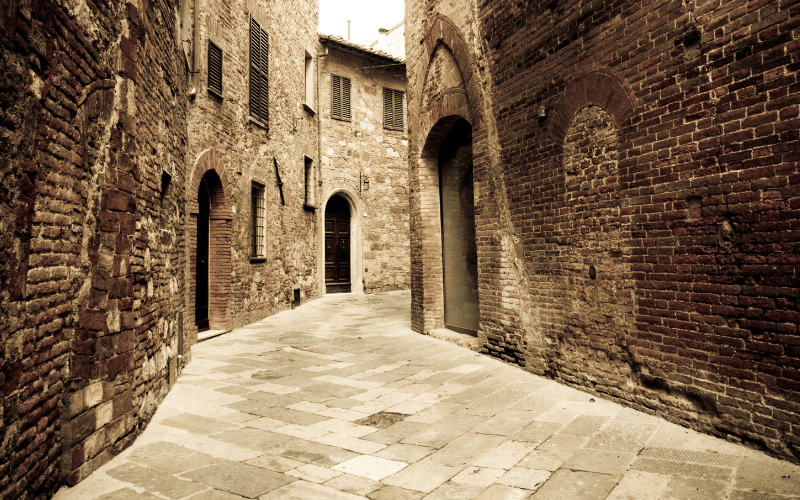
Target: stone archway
x,y
355,247
209,181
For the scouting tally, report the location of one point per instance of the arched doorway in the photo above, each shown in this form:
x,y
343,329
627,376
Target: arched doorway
x,y
202,257
337,245
459,247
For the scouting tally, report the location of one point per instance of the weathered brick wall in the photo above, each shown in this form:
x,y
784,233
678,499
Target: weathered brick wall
x,y
93,107
244,154
362,147
667,160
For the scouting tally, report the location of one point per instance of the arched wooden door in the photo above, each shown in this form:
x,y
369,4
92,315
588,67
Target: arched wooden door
x,y
202,269
337,245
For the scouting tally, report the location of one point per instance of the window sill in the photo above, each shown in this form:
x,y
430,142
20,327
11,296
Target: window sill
x,y
257,260
309,109
216,94
310,208
256,121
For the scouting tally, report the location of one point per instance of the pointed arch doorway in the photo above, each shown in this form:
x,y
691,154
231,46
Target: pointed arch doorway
x,y
337,246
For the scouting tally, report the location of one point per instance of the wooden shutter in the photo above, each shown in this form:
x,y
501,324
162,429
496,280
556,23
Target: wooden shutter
x,y
336,97
398,109
345,99
259,71
388,113
392,109
214,68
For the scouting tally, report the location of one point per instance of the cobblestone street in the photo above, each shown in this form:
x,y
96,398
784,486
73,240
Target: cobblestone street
x,y
339,399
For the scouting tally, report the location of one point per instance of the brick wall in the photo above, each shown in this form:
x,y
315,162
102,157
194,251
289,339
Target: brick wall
x,y
363,148
244,290
639,239
93,114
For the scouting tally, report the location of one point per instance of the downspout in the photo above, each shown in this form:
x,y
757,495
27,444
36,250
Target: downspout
x,y
319,119
195,43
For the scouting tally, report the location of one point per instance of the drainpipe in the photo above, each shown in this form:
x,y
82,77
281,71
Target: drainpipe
x,y
195,44
319,119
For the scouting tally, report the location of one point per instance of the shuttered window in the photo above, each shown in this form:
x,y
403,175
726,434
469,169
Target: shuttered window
x,y
340,98
214,68
392,109
259,72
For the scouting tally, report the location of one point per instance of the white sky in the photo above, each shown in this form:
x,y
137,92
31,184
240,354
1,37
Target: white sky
x,y
366,17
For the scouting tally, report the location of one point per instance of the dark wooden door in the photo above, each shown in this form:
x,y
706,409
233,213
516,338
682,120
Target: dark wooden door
x,y
337,253
201,270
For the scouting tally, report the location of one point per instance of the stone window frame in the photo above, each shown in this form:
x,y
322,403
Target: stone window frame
x,y
393,111
216,92
261,117
258,226
340,116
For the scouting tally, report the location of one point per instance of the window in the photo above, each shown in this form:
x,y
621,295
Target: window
x,y
340,98
392,109
259,72
309,97
257,211
308,182
214,68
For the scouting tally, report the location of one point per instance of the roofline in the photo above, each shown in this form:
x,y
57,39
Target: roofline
x,y
360,49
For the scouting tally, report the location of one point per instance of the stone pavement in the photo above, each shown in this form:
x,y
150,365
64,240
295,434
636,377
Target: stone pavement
x,y
339,399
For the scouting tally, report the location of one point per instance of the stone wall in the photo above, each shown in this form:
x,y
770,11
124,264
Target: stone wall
x,y
240,151
636,195
362,148
91,213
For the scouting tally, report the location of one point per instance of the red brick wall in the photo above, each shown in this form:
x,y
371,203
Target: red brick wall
x,y
91,233
687,207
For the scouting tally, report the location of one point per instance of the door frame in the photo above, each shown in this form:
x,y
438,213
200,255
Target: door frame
x,y
356,259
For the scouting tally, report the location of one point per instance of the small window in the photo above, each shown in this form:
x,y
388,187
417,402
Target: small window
x,y
309,97
308,182
259,72
392,109
214,68
340,98
257,211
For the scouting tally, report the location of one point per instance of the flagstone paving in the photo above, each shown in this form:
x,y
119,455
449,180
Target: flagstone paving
x,y
339,399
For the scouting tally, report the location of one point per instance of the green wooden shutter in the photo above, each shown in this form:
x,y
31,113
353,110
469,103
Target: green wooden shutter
x,y
214,68
255,74
345,99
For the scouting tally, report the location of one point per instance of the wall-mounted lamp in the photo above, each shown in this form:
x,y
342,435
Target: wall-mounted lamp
x,y
542,113
364,182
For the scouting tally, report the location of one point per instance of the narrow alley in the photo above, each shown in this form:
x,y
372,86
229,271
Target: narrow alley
x,y
339,399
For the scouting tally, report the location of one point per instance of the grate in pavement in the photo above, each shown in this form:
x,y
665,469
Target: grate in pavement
x,y
698,457
685,470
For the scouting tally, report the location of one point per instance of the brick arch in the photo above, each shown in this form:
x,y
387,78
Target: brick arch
x,y
467,103
209,166
601,87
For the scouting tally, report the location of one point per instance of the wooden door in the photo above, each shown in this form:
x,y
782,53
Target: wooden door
x,y
337,252
202,264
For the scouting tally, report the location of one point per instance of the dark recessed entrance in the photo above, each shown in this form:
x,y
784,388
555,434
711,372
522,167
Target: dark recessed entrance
x,y
202,269
459,248
337,245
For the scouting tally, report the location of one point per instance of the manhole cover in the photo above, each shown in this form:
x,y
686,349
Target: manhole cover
x,y
381,420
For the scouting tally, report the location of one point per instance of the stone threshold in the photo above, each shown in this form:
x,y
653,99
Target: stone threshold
x,y
459,339
208,334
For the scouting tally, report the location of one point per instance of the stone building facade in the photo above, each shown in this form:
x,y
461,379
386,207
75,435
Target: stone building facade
x,y
133,160
365,163
92,164
633,200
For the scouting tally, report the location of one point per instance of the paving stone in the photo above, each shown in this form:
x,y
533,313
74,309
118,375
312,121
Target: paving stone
x,y
537,432
395,432
681,488
584,425
478,476
562,443
520,477
342,403
684,470
604,462
127,494
342,414
636,485
275,463
216,495
580,485
768,476
753,495
238,478
436,412
425,476
287,446
506,423
443,431
343,427
544,460
505,456
300,431
370,467
197,424
408,453
313,473
303,490
353,484
503,492
697,457
169,457
467,448
154,481
621,436
350,443
455,491
395,493
265,423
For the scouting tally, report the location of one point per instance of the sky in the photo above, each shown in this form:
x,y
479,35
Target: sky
x,y
366,17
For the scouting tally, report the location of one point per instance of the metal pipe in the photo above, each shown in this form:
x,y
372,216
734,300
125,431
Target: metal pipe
x,y
195,44
319,119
